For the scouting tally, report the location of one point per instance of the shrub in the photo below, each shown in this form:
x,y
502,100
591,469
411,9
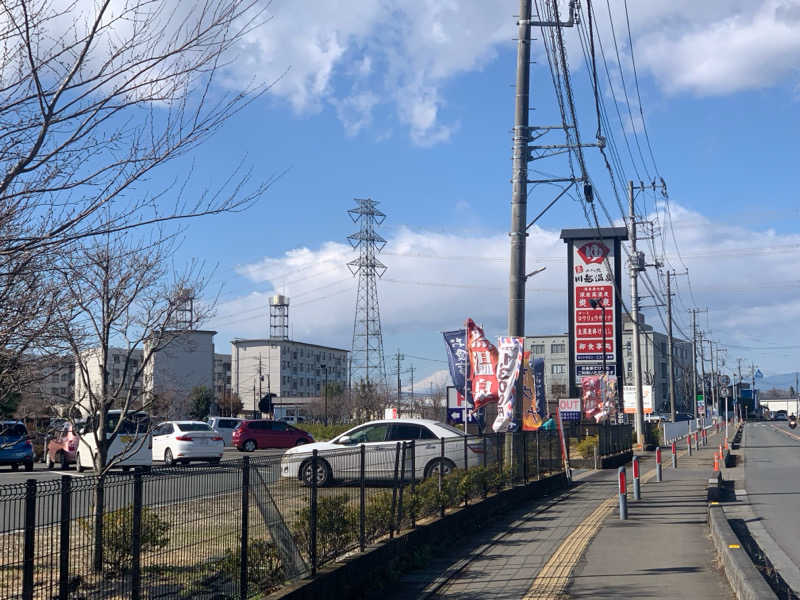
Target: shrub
x,y
322,433
378,515
337,527
586,446
264,566
118,536
476,482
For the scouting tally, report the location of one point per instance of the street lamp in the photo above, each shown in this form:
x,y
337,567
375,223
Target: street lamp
x,y
326,393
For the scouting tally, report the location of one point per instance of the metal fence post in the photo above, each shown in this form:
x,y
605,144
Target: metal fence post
x,y
538,463
29,539
465,453
394,490
63,543
402,486
414,483
485,460
313,513
136,538
550,447
524,457
362,501
441,466
99,510
499,463
245,525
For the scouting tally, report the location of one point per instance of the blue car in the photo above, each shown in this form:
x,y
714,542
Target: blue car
x,y
15,447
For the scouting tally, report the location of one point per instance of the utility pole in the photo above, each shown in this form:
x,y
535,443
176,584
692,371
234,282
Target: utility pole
x,y
398,357
703,368
413,403
260,378
670,349
636,265
519,188
714,396
694,363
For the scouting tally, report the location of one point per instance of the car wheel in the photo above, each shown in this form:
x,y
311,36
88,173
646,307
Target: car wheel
x,y
50,463
214,461
15,467
169,460
249,446
64,461
444,464
323,476
29,466
125,469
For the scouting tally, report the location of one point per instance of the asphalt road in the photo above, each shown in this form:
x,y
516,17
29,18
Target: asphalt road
x,y
772,478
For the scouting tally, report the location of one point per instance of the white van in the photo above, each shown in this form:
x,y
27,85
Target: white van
x,y
224,426
132,447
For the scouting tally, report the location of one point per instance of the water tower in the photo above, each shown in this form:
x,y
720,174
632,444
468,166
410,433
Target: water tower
x,y
279,317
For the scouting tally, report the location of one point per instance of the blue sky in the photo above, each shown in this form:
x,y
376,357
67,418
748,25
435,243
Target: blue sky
x,y
413,107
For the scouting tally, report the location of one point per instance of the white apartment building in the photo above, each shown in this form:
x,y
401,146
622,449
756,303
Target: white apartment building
x,y
117,374
554,349
222,376
286,368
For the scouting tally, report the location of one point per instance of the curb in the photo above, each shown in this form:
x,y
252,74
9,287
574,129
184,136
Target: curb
x,y
744,578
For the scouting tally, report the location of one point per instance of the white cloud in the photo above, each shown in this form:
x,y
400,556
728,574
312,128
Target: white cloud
x,y
746,278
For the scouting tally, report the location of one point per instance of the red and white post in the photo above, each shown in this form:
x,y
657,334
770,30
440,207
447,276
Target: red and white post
x,y
658,464
637,492
623,495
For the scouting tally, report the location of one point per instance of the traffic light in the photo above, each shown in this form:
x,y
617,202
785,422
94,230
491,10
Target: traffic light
x,y
265,404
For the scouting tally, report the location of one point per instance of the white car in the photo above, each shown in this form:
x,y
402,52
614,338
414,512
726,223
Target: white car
x,y
184,441
340,457
129,448
224,426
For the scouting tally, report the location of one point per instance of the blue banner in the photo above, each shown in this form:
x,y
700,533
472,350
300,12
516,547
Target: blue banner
x,y
538,386
457,360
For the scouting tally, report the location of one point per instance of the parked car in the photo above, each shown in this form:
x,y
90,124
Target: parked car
x,y
185,441
224,426
130,447
265,433
380,441
15,447
781,415
62,446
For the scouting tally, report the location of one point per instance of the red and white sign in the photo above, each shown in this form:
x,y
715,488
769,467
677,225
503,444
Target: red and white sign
x,y
483,366
593,283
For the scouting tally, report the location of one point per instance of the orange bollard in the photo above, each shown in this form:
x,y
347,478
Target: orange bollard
x,y
716,463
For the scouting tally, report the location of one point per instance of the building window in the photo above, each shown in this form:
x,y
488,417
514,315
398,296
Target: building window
x,y
559,390
538,348
628,348
558,369
559,348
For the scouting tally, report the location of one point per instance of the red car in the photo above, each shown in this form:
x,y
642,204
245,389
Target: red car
x,y
62,448
263,433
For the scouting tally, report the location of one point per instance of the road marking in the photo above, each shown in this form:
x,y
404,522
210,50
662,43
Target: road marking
x,y
789,433
552,580
734,546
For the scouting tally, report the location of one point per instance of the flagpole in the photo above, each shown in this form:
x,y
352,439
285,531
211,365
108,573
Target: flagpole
x,y
466,376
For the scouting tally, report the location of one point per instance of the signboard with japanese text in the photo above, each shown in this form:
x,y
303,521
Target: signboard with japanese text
x,y
570,409
595,327
482,365
629,399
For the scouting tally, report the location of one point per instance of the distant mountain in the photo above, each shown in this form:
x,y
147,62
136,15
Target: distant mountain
x,y
439,379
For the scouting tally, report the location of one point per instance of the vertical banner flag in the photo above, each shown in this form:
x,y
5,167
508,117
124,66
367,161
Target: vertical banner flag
x,y
508,368
457,361
534,407
483,365
563,439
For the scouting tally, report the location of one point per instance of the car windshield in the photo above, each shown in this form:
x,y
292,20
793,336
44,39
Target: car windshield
x,y
13,430
193,427
133,423
450,428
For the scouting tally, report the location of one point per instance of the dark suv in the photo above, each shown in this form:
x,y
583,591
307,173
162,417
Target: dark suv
x,y
15,447
264,433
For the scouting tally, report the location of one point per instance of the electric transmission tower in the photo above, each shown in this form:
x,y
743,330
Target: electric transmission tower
x,y
367,362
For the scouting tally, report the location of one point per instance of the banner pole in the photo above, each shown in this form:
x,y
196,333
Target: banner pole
x,y
466,378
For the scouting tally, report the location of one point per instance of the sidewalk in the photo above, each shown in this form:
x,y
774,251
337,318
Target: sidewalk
x,y
663,549
575,546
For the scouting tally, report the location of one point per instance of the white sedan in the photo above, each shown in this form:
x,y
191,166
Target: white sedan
x,y
184,441
340,458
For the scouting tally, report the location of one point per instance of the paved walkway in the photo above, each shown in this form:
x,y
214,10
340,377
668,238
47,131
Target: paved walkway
x,y
575,546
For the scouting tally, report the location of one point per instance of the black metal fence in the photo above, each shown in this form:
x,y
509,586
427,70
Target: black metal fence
x,y
243,527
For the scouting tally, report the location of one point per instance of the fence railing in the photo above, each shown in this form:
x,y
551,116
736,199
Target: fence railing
x,y
244,527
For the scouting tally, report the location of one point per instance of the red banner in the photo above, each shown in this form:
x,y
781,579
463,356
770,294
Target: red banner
x,y
483,366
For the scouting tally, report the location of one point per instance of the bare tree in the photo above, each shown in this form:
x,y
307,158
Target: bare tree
x,y
120,307
97,96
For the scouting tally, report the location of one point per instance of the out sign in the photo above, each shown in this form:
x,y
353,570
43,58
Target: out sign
x,y
593,252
